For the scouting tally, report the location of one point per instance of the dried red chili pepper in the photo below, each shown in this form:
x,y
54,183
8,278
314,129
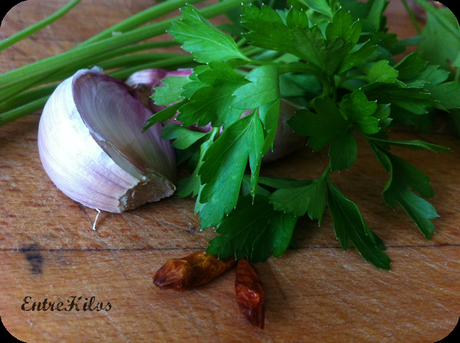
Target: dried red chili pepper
x,y
191,271
250,294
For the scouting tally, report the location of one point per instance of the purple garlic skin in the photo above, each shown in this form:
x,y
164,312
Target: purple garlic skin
x,y
286,140
92,147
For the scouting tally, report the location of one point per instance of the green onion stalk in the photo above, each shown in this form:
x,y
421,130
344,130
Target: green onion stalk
x,y
26,89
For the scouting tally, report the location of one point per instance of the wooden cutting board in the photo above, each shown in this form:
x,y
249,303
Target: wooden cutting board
x,y
48,249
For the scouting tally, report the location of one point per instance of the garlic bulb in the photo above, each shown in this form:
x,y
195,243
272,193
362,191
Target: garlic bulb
x,y
92,147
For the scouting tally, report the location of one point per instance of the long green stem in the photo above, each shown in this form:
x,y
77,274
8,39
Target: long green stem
x,y
133,61
41,69
37,26
35,72
412,17
171,63
127,61
139,19
17,89
34,100
65,73
17,99
26,97
22,110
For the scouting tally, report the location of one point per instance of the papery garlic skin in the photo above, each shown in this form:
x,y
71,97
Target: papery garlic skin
x,y
114,170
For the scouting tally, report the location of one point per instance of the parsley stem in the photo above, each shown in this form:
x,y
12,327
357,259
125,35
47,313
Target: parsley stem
x,y
241,42
7,42
333,5
262,62
333,88
412,17
251,50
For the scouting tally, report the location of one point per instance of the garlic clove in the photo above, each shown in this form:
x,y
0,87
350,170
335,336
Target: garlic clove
x,y
119,132
92,147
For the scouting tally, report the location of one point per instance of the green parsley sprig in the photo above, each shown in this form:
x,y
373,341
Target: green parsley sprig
x,y
334,59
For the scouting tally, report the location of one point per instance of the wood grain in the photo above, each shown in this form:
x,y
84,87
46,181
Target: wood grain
x,y
48,249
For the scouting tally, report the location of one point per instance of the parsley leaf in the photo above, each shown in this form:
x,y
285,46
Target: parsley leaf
x,y
322,126
212,98
349,225
342,26
360,111
202,39
296,37
192,185
299,200
171,91
328,124
253,230
223,167
343,150
382,72
441,43
320,6
183,137
297,55
375,15
267,30
280,182
402,98
448,94
263,88
413,144
335,125
164,114
410,66
403,178
357,56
